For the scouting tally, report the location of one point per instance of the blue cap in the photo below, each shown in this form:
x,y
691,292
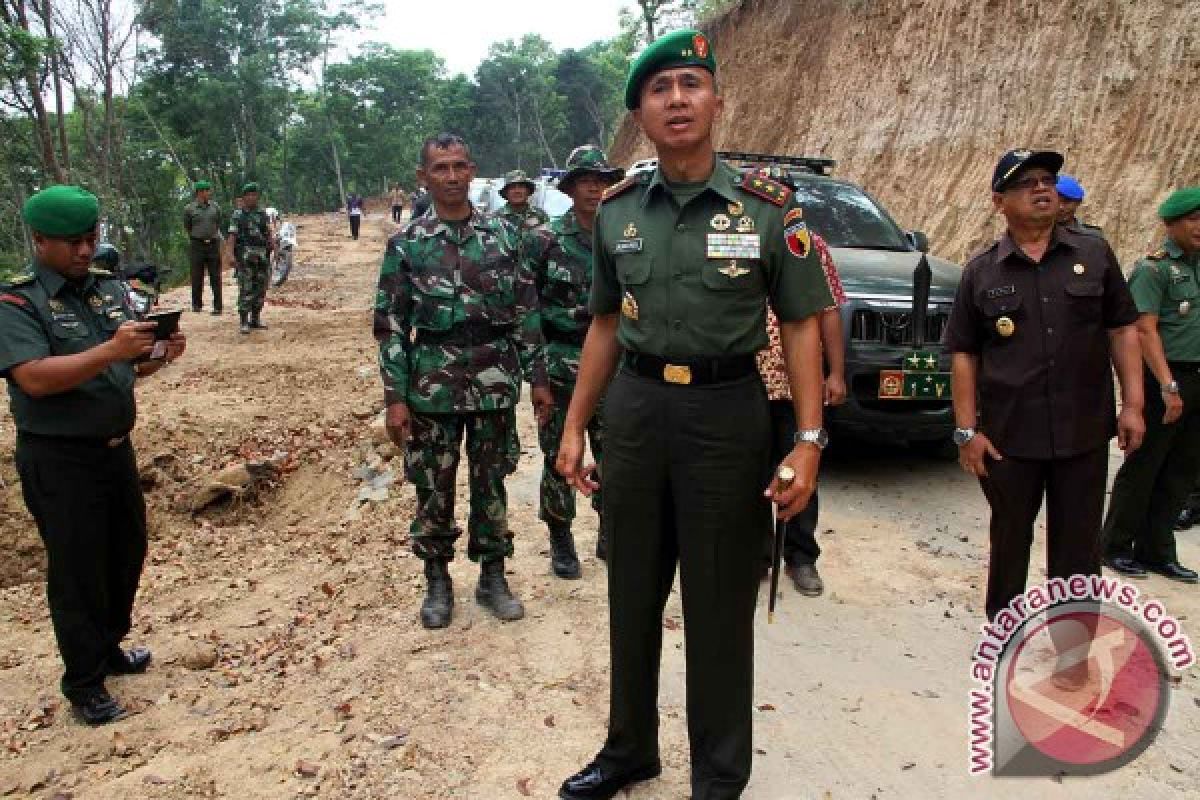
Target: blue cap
x,y
1069,188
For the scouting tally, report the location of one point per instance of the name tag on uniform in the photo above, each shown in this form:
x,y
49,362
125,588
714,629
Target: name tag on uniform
x,y
733,245
626,246
1180,278
1000,291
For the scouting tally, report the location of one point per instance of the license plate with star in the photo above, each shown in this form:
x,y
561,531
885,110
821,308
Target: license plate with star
x,y
917,379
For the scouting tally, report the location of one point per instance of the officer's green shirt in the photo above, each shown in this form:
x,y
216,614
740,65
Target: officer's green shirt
x,y
45,315
693,281
202,220
1167,283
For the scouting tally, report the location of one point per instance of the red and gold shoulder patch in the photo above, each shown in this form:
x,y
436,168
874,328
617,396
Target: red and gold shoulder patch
x,y
618,188
15,299
769,190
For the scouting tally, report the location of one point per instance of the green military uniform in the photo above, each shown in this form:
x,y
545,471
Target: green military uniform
x,y
202,223
252,251
1154,481
528,215
78,471
457,323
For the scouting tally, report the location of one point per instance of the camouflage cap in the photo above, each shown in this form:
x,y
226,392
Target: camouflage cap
x,y
516,177
588,159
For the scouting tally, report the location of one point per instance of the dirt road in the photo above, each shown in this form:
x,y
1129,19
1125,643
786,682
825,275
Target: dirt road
x,y
324,684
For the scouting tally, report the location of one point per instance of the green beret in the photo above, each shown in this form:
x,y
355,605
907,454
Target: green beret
x,y
200,186
250,187
62,211
685,48
1181,203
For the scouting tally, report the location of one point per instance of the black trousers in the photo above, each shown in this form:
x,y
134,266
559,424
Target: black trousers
x,y
88,506
397,210
800,534
684,471
1153,484
355,221
1074,492
205,259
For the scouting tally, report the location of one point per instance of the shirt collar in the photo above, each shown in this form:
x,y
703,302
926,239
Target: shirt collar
x,y
1009,248
53,282
431,225
723,180
1175,251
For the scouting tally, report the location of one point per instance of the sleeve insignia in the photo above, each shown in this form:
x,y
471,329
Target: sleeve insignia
x,y
769,190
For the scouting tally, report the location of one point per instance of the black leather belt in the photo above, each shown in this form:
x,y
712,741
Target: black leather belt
x,y
691,372
464,335
115,441
557,336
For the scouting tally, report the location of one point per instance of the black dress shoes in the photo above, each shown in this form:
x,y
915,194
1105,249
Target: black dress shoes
x,y
98,708
1187,518
1175,571
1129,567
131,662
594,782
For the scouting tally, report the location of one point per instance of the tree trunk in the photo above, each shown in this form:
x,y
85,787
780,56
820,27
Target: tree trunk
x,y
41,122
56,72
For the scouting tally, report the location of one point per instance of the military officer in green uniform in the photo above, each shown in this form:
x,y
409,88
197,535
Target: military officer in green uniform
x,y
457,323
517,191
250,242
561,255
1153,484
202,223
71,351
686,260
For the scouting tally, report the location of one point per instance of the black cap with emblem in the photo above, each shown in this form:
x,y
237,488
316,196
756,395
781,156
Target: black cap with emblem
x,y
1014,162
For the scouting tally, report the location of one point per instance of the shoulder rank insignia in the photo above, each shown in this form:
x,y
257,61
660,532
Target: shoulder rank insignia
x,y
618,188
20,280
100,273
1158,255
767,189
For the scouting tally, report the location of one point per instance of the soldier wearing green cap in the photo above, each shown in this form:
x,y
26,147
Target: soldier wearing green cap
x,y
1153,484
517,209
70,350
686,260
561,255
250,243
202,223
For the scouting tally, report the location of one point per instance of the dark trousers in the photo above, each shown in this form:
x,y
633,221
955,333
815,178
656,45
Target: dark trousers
x,y
1153,484
800,534
88,506
396,212
1074,492
684,471
355,221
205,258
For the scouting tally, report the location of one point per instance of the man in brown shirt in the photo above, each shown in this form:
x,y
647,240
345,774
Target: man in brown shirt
x,y
1038,318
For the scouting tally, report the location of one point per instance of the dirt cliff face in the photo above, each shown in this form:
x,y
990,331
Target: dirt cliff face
x,y
916,99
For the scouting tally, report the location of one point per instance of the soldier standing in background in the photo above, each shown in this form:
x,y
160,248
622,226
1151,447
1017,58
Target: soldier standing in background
x,y
561,256
517,191
202,223
457,323
354,210
397,199
1152,485
1038,318
1070,196
250,244
71,352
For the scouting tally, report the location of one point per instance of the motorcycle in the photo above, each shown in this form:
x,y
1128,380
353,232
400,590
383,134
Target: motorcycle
x,y
283,257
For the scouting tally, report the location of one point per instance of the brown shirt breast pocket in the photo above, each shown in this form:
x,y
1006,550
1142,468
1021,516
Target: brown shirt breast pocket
x,y
1003,316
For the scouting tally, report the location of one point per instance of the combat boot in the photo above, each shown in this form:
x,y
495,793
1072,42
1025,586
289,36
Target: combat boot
x,y
245,326
493,592
563,559
256,322
438,606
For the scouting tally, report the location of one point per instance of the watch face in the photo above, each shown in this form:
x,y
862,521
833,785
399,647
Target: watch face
x,y
961,437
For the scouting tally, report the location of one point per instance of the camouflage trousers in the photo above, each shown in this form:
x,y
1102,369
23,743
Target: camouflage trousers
x,y
253,275
431,464
557,502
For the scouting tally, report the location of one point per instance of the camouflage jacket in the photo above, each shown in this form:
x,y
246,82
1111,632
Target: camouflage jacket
x,y
529,217
252,229
560,253
456,316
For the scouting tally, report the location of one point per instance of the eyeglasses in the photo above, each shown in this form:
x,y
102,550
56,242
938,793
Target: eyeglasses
x,y
1034,181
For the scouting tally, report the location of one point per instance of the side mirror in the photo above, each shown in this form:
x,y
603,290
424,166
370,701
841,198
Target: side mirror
x,y
918,240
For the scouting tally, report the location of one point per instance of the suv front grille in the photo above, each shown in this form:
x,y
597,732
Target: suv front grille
x,y
895,328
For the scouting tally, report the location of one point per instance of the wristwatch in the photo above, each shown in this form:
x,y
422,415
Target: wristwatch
x,y
817,436
963,435
1171,388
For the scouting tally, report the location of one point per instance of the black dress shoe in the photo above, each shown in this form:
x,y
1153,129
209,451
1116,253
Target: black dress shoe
x,y
593,782
1185,520
132,662
1175,571
1129,567
98,708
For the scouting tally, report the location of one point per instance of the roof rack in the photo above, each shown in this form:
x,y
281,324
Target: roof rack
x,y
820,166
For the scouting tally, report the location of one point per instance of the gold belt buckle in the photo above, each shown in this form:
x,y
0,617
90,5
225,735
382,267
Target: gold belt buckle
x,y
675,373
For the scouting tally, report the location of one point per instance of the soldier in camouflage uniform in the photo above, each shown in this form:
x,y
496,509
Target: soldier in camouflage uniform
x,y
457,322
561,255
250,243
516,191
